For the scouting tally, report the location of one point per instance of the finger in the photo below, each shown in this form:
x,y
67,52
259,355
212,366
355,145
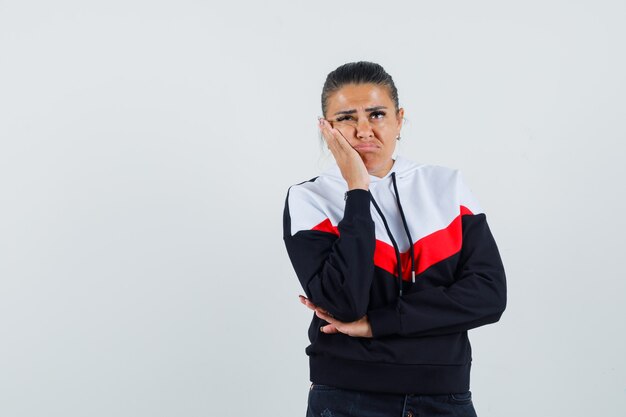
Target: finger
x,y
335,140
329,329
324,312
329,136
343,141
338,137
323,126
312,306
325,316
307,302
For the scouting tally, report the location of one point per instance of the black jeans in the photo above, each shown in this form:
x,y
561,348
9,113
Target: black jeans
x,y
329,401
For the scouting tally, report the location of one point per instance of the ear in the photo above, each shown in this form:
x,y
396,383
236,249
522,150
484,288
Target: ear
x,y
400,117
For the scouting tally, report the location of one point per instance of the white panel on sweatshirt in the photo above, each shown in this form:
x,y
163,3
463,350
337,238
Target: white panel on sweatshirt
x,y
431,196
308,208
466,196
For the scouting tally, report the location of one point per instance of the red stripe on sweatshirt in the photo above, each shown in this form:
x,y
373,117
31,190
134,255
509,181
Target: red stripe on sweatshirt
x,y
429,250
327,226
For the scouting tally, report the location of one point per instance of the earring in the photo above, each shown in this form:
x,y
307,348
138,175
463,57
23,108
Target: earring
x,y
398,137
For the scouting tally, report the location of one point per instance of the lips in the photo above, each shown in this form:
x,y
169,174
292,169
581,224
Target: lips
x,y
366,147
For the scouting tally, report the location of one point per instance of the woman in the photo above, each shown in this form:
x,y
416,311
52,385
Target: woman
x,y
396,260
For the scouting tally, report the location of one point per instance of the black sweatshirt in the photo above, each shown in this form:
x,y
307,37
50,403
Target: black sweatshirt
x,y
414,254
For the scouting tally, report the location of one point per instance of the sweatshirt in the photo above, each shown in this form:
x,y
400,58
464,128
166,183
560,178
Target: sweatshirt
x,y
415,254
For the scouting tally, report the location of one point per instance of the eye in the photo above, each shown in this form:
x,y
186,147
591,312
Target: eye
x,y
378,114
342,118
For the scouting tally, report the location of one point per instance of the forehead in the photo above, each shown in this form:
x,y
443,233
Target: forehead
x,y
355,96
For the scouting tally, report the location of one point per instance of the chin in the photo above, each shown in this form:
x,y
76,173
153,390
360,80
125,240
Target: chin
x,y
375,163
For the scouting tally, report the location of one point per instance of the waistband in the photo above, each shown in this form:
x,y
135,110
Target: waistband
x,y
390,377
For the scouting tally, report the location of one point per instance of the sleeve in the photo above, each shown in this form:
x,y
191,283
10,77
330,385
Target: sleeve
x,y
335,271
476,297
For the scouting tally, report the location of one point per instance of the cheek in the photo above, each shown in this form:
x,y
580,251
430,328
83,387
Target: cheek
x,y
352,140
348,133
386,135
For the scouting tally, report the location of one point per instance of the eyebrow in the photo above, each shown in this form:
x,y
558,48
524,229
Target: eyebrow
x,y
354,111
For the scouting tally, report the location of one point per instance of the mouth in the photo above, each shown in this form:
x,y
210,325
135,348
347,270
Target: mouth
x,y
366,147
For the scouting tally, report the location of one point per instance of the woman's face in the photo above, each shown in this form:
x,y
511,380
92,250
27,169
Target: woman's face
x,y
365,115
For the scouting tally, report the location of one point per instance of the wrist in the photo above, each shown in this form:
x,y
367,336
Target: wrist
x,y
361,186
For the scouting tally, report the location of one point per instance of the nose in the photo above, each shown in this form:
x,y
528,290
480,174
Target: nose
x,y
364,129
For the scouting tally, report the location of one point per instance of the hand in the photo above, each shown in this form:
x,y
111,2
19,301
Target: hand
x,y
358,328
348,159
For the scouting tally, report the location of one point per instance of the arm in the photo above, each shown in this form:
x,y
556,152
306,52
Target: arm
x,y
477,297
336,272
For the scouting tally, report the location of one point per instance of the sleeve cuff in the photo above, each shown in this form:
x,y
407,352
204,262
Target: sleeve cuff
x,y
357,203
384,321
